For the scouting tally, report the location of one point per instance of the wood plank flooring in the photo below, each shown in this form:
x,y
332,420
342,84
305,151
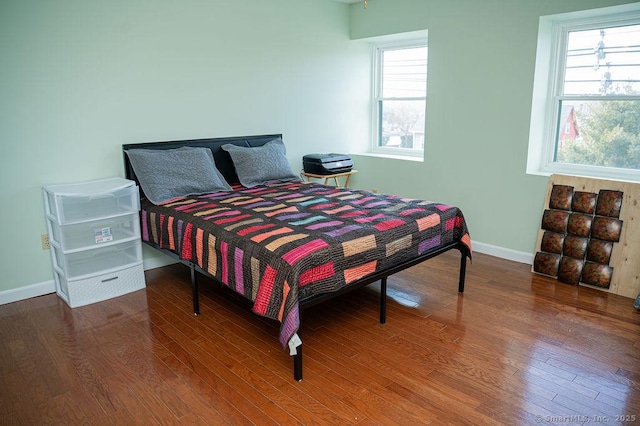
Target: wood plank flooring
x,y
515,349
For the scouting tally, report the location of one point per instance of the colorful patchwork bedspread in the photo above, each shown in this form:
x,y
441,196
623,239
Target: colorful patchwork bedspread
x,y
280,243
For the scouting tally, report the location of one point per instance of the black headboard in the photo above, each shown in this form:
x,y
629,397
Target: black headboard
x,y
221,157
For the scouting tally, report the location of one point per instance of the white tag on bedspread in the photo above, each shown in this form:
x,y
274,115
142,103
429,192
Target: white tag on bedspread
x,y
294,342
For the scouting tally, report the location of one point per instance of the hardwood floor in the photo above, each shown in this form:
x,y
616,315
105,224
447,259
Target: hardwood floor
x,y
515,349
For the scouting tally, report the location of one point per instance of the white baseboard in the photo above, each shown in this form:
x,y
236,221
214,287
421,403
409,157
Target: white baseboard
x,y
503,253
27,292
47,287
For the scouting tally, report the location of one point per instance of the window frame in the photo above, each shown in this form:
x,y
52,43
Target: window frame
x,y
547,89
408,41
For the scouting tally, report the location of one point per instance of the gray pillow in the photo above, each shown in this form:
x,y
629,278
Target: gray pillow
x,y
169,173
260,164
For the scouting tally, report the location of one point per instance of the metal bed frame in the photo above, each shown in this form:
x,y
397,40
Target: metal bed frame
x,y
225,165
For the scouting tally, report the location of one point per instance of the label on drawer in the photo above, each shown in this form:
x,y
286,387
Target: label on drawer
x,y
103,235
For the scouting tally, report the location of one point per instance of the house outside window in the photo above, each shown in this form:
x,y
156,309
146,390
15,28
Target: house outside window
x,y
399,97
586,103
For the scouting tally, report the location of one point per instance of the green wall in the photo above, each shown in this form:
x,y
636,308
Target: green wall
x,y
79,78
480,80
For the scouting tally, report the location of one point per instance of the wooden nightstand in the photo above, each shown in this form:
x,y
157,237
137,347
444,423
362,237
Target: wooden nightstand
x,y
346,175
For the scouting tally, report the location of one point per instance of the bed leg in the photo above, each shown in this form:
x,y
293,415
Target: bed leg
x,y
463,270
194,288
383,300
297,364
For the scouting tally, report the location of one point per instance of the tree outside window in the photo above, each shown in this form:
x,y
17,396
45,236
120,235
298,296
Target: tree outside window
x,y
585,112
600,100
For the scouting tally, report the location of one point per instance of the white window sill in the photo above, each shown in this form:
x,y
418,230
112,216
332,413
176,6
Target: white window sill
x,y
593,172
392,156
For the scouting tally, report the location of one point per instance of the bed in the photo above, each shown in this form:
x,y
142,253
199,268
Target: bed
x,y
284,244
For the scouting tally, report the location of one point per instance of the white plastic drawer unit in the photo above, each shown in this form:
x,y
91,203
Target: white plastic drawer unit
x,y
96,233
89,262
88,201
94,229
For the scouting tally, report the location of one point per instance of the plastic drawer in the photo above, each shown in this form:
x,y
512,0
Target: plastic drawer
x,y
96,232
89,201
101,287
94,261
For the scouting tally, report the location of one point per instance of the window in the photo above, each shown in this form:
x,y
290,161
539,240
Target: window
x,y
586,102
399,96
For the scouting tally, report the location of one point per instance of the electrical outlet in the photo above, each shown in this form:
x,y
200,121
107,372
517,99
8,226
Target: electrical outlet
x,y
44,239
